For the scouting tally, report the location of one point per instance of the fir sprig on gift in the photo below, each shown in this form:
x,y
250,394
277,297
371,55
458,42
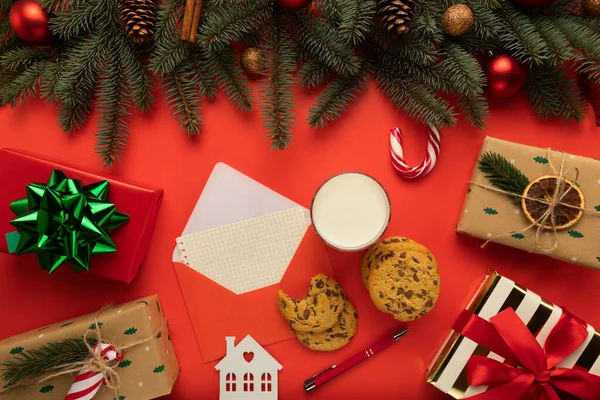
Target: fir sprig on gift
x,y
503,174
33,363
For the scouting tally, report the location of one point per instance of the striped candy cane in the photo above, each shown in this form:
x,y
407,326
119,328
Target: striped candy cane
x,y
433,152
88,383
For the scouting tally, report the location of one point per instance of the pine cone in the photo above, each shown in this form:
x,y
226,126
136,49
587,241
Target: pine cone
x,y
396,15
139,18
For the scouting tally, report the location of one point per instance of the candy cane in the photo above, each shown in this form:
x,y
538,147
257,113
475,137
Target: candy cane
x,y
433,152
87,383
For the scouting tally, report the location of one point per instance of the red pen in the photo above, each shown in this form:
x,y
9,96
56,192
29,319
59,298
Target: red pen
x,y
328,374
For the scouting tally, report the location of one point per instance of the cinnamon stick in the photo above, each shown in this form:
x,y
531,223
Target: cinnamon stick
x,y
191,20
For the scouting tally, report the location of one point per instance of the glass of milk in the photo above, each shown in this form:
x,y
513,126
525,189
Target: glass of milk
x,y
351,211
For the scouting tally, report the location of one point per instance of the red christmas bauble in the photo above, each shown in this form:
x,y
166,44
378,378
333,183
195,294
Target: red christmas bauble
x,y
532,3
30,22
505,76
293,5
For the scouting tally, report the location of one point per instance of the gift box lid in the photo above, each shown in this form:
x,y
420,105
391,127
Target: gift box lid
x,y
141,203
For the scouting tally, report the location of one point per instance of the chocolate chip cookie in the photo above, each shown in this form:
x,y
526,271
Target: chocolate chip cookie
x,y
386,248
318,311
335,337
402,278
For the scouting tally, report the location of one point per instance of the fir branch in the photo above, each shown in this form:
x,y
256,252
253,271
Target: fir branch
x,y
136,78
487,24
323,42
201,75
22,57
332,10
476,45
357,20
183,99
552,92
34,363
336,98
522,39
475,109
114,103
425,25
431,76
503,175
557,41
413,97
418,51
80,18
6,31
23,85
277,99
461,70
581,37
313,73
229,76
51,76
232,23
169,51
76,85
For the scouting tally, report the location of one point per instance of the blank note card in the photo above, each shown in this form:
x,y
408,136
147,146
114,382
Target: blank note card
x,y
246,255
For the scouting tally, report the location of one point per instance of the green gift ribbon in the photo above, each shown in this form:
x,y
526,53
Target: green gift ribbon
x,y
64,221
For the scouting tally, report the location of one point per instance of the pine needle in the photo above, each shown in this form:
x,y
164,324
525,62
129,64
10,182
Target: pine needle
x,y
324,43
230,77
503,174
336,98
169,51
357,20
114,104
182,96
224,25
313,73
33,363
277,100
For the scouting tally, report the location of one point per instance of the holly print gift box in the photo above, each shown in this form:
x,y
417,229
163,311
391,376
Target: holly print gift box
x,y
540,200
144,365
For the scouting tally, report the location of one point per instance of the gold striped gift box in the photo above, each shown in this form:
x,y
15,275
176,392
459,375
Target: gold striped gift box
x,y
447,372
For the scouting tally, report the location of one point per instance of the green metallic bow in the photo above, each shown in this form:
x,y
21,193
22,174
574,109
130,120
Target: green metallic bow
x,y
64,221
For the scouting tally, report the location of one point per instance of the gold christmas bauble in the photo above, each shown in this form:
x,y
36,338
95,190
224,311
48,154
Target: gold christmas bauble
x,y
457,20
251,60
591,7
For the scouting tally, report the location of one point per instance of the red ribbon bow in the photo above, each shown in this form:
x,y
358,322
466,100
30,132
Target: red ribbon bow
x,y
530,372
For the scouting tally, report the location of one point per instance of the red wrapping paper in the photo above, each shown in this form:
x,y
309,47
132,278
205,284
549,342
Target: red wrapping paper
x,y
19,168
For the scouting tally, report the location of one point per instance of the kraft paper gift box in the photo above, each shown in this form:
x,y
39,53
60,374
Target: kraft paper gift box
x,y
493,216
147,371
448,370
238,301
141,204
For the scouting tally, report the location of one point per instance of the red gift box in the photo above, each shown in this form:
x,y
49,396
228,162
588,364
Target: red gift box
x,y
19,168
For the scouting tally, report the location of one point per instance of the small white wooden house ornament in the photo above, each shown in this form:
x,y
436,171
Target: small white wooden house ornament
x,y
247,372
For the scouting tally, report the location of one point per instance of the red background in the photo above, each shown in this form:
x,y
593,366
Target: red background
x,y
159,154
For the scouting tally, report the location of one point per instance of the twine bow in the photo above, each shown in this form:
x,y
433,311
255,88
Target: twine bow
x,y
97,362
549,216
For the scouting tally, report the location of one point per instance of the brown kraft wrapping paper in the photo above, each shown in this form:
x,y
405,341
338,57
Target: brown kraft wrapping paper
x,y
493,216
448,372
147,371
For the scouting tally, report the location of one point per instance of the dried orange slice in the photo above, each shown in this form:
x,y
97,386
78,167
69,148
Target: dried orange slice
x,y
543,189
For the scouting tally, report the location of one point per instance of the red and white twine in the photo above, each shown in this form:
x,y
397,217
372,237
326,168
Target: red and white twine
x,y
397,153
87,383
